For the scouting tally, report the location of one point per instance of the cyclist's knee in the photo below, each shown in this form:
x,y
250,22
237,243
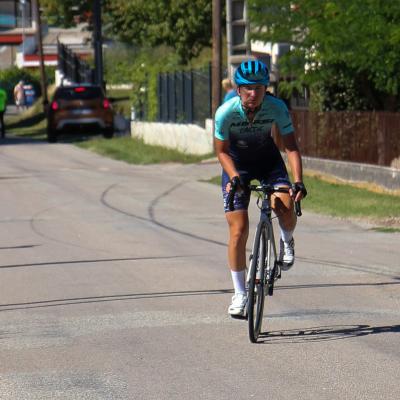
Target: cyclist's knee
x,y
238,235
238,228
283,206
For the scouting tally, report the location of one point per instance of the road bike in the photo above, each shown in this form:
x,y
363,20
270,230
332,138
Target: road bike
x,y
265,267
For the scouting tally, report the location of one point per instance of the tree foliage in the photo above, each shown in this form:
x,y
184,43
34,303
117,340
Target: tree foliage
x,y
184,25
139,67
346,47
67,13
9,77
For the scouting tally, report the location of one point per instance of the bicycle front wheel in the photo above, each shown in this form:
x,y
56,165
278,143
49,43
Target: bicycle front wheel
x,y
256,284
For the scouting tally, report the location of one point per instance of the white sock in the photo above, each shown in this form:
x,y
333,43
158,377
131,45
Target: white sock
x,y
286,235
238,278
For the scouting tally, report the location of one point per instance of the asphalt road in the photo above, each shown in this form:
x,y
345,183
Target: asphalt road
x,y
114,285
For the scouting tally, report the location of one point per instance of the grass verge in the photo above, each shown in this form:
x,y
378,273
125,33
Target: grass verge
x,y
135,151
346,201
29,123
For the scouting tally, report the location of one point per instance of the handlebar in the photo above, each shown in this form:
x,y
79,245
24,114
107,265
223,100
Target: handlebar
x,y
266,189
231,195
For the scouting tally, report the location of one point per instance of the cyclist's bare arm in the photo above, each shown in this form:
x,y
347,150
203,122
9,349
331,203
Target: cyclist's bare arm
x,y
222,152
294,159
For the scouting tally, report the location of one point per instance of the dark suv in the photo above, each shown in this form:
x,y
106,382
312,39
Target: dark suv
x,y
79,107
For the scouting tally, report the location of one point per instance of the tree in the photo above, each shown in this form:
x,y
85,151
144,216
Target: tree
x,y
184,25
352,45
67,13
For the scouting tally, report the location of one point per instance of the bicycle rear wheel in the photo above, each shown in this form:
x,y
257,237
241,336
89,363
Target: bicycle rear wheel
x,y
256,284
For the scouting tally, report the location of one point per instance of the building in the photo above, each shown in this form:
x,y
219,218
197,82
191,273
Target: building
x,y
16,26
18,43
241,47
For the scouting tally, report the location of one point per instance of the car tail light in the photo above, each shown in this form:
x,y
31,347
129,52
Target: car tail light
x,y
55,106
106,104
79,89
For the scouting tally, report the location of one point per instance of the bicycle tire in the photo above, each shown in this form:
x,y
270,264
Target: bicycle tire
x,y
256,284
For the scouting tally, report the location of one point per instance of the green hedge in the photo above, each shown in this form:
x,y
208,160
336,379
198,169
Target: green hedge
x,y
11,76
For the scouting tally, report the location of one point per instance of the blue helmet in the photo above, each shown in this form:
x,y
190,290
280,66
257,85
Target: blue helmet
x,y
252,72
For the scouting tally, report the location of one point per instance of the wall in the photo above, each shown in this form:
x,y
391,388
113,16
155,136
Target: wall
x,y
187,138
386,177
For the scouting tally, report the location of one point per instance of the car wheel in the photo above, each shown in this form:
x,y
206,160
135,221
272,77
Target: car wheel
x,y
108,133
51,136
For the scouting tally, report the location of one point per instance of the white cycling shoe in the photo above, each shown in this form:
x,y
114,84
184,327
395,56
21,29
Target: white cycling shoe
x,y
238,306
286,256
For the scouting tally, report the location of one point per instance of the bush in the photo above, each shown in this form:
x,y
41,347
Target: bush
x,y
11,76
140,68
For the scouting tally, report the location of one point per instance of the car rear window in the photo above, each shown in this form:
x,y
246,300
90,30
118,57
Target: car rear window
x,y
78,93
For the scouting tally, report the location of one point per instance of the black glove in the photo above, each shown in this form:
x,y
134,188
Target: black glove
x,y
235,182
239,184
299,187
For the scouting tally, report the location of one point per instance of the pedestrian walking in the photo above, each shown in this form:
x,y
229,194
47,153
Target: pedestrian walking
x,y
19,95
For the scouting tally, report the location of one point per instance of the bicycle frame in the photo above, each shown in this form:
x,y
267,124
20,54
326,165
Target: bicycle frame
x,y
266,223
264,268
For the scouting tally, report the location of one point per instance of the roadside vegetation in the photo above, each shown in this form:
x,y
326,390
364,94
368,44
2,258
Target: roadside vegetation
x,y
135,151
326,196
348,201
30,123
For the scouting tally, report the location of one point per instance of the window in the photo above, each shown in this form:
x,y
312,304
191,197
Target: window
x,y
78,93
15,14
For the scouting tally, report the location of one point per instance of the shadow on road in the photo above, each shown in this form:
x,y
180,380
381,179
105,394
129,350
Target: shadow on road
x,y
63,138
324,333
119,297
87,261
13,140
331,285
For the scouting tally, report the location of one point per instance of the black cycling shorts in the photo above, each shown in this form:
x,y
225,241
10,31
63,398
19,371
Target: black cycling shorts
x,y
277,176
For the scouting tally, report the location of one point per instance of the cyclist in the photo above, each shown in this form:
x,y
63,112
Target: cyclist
x,y
246,151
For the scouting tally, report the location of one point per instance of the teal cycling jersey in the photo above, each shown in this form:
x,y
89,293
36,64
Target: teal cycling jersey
x,y
251,142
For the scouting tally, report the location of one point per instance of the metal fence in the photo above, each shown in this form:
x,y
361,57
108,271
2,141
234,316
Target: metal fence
x,y
184,96
359,136
72,67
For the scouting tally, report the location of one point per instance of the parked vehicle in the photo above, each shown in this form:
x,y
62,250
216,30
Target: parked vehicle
x,y
79,107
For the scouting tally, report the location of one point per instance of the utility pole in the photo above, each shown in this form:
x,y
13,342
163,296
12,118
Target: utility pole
x,y
216,56
98,42
43,80
23,12
237,33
